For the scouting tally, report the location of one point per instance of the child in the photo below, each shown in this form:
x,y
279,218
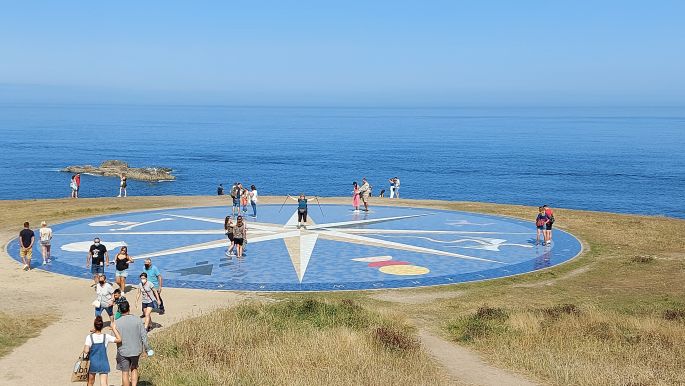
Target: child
x,y
118,299
540,223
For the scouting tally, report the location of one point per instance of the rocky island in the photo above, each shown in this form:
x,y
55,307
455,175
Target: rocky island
x,y
115,168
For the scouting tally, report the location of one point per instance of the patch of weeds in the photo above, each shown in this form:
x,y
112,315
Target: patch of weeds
x,y
394,338
674,314
321,314
484,322
601,331
642,259
555,312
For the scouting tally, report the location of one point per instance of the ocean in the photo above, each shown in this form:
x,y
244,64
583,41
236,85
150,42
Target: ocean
x,y
627,160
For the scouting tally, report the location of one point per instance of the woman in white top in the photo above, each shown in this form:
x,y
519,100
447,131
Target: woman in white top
x,y
45,237
254,197
96,348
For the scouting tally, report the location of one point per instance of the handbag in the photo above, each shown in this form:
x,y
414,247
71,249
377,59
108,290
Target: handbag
x,y
81,367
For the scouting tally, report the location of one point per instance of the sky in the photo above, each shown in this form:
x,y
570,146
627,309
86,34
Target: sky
x,y
346,53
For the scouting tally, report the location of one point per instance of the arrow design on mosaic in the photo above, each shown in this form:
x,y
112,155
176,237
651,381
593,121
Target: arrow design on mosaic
x,y
300,243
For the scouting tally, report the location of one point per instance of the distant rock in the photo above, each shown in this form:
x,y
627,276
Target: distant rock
x,y
115,168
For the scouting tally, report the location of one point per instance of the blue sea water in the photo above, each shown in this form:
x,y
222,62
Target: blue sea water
x,y
627,160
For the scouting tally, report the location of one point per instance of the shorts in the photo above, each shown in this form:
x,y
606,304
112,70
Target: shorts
x,y
364,198
152,305
548,226
127,363
26,252
97,269
109,310
541,228
45,243
123,273
230,236
236,202
238,241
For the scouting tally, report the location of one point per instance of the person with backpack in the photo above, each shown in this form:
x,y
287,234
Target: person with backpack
x,y
95,348
548,226
540,223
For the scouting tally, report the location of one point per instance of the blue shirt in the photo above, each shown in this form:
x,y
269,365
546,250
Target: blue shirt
x,y
302,203
152,274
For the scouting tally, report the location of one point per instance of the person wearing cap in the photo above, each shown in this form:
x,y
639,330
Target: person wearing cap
x,y
155,277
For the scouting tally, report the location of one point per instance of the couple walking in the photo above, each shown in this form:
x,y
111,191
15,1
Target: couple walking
x,y
130,336
361,193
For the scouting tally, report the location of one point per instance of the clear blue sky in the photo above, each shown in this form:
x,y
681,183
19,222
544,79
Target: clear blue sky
x,y
443,53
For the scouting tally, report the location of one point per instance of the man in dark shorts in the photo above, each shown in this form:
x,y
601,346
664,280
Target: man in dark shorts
x,y
26,239
97,259
133,340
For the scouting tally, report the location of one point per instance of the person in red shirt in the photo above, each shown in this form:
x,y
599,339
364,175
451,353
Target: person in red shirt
x,y
77,178
548,226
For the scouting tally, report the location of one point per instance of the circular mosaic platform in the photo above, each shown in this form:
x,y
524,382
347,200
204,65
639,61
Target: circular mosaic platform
x,y
388,247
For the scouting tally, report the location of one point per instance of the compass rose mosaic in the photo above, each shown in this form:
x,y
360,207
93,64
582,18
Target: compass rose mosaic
x,y
340,249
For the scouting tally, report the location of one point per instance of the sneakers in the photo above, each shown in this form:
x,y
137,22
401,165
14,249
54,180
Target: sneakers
x,y
45,262
25,267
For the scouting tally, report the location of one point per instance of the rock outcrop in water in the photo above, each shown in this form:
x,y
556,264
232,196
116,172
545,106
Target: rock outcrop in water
x,y
115,168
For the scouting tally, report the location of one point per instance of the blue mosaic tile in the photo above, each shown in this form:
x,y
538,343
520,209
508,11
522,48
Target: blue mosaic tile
x,y
390,247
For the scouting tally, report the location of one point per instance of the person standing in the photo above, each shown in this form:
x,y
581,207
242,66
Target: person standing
x,y
396,185
220,190
122,186
133,340
97,258
254,198
105,296
239,235
355,196
235,196
540,222
228,229
548,227
77,179
364,192
301,210
148,293
244,199
155,277
121,262
392,187
26,240
45,239
73,187
96,349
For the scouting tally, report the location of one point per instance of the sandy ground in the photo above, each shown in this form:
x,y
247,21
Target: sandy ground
x,y
49,357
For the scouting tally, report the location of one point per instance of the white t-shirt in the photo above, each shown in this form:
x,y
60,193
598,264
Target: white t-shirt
x,y
98,338
253,196
45,234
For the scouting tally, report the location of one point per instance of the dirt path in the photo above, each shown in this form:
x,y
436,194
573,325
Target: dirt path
x,y
48,358
466,367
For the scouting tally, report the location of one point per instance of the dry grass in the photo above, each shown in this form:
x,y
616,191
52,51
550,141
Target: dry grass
x,y
615,315
17,329
292,342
